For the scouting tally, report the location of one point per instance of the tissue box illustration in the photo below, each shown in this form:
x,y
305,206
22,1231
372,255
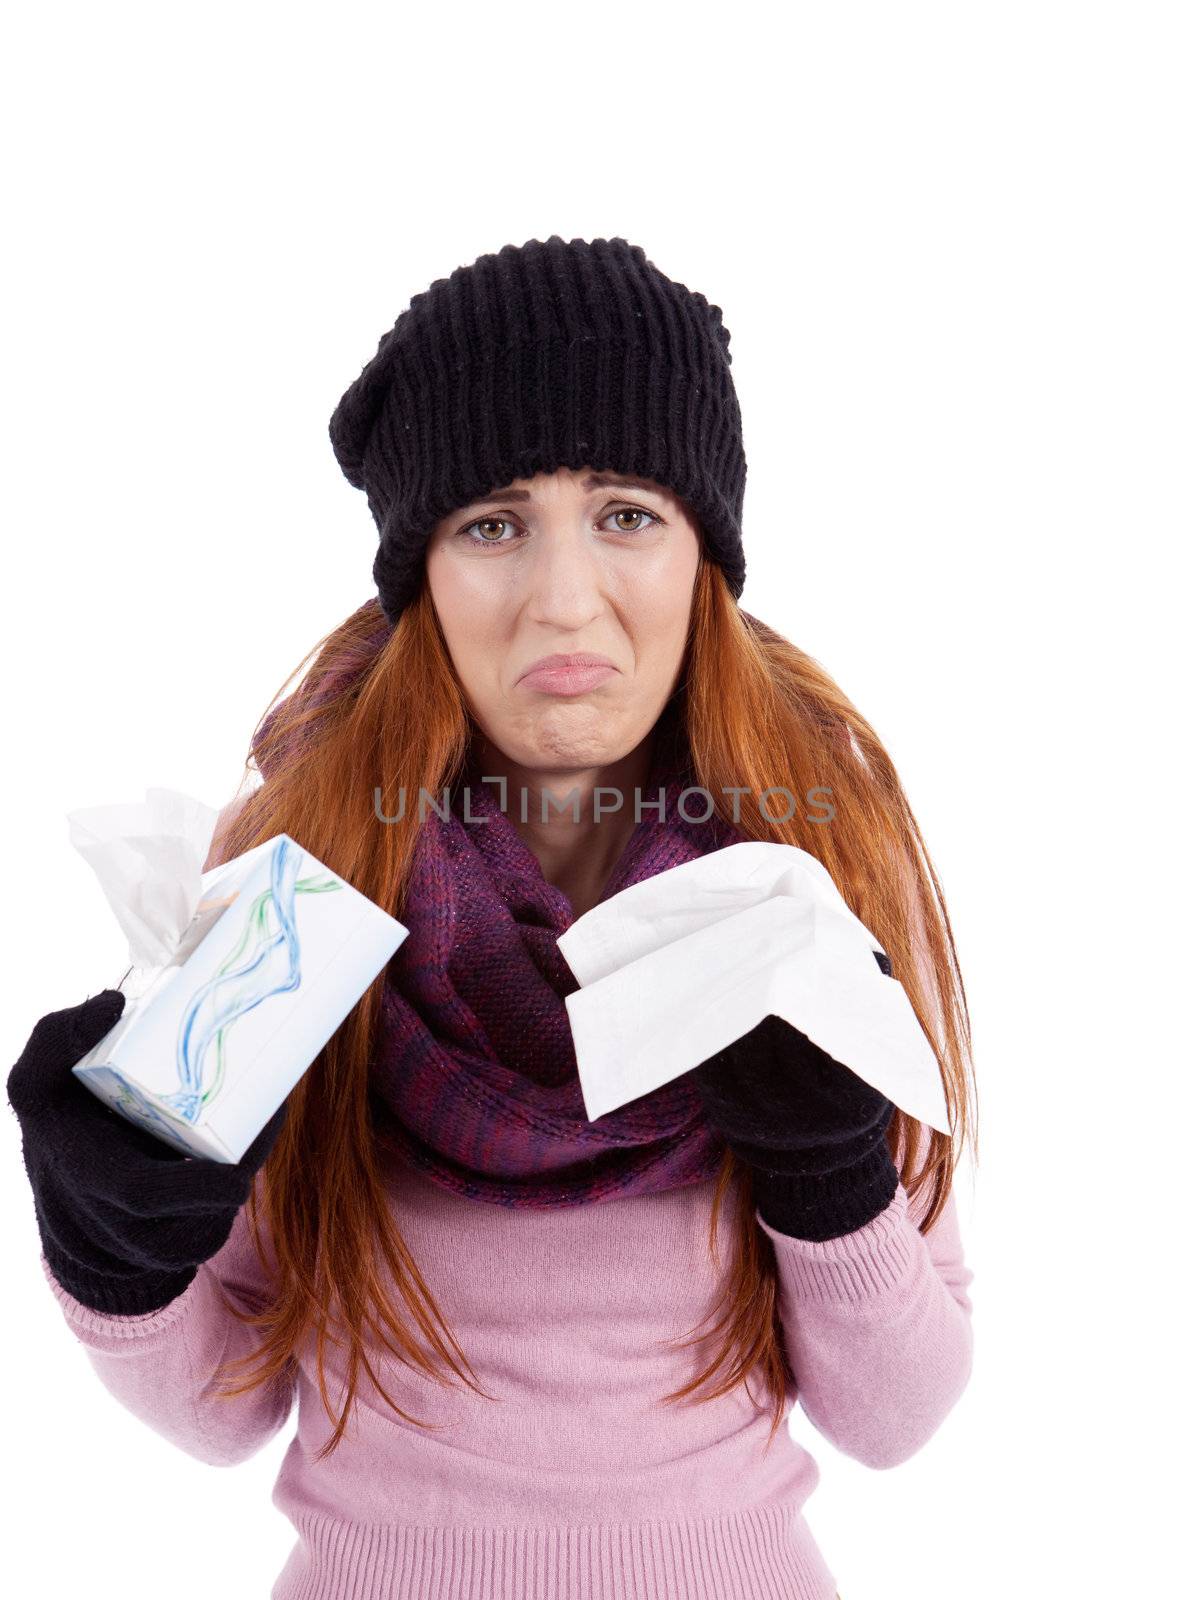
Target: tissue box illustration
x,y
278,951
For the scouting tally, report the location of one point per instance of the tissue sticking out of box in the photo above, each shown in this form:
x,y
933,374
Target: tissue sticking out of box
x,y
149,857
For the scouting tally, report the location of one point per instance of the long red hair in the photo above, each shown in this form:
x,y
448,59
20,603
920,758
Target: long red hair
x,y
382,709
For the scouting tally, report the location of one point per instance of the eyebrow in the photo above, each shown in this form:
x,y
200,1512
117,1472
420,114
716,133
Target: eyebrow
x,y
595,480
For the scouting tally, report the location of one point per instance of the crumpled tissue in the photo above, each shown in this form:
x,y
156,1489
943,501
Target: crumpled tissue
x,y
149,857
676,967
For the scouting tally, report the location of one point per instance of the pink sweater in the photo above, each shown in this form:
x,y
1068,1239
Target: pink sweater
x,y
575,1483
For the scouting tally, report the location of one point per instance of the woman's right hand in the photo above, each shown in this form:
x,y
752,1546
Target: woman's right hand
x,y
125,1220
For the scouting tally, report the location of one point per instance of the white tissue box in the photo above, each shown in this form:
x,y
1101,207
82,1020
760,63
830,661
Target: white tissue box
x,y
207,1049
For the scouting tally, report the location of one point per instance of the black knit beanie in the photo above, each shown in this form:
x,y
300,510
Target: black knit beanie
x,y
554,354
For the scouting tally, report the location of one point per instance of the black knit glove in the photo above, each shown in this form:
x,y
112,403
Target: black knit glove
x,y
812,1132
125,1220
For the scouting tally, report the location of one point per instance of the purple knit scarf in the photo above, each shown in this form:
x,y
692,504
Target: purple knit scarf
x,y
475,1073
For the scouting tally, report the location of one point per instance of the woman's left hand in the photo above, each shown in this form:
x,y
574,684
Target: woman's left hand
x,y
811,1130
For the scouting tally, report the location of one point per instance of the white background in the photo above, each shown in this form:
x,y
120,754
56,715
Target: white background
x,y
958,249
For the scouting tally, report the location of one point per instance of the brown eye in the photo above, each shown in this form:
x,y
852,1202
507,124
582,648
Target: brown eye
x,y
494,534
633,511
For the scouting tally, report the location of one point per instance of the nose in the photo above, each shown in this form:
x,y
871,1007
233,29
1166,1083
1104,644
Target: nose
x,y
565,578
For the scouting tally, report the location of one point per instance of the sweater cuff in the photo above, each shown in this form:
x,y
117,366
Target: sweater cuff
x,y
856,1267
125,1325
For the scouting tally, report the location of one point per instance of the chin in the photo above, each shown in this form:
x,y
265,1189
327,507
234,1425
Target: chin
x,y
565,751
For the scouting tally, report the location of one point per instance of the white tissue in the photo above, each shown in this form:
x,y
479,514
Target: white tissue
x,y
149,857
678,966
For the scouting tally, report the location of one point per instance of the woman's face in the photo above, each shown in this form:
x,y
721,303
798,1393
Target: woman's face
x,y
566,563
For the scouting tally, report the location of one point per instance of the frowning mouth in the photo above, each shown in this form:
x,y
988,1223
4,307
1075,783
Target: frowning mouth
x,y
567,674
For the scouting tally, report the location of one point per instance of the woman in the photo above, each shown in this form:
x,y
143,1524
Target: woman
x,y
534,1354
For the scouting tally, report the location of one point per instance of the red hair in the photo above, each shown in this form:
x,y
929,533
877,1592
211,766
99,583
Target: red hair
x,y
382,707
